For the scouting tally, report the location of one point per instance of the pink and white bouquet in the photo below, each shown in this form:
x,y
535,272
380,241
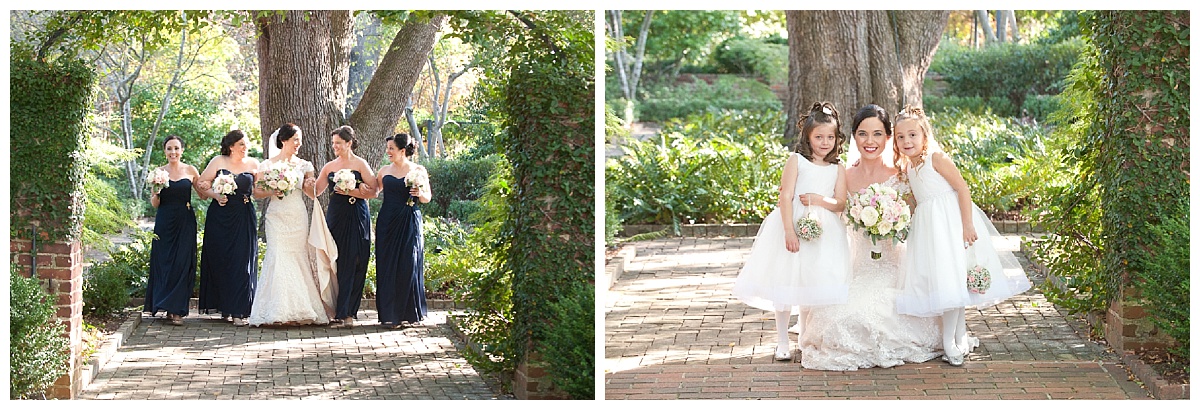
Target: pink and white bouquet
x,y
979,280
282,177
879,211
224,184
157,180
808,227
416,178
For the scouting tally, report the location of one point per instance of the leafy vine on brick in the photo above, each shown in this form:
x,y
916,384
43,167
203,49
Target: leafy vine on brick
x,y
49,105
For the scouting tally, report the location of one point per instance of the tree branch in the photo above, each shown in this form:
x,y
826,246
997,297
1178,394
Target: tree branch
x,y
533,27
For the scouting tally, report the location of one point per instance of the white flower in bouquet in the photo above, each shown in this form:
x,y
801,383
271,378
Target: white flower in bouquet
x,y
344,179
869,216
416,178
224,184
158,179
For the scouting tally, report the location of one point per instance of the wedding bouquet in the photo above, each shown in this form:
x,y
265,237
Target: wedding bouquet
x,y
808,228
344,179
224,184
878,211
979,280
158,179
417,178
282,177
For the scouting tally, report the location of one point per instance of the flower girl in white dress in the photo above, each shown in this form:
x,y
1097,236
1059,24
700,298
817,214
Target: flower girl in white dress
x,y
942,243
784,271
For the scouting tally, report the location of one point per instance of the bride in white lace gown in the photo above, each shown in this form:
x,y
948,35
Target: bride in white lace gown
x,y
866,331
287,290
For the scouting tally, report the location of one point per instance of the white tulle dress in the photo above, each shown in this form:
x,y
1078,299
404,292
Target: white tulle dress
x,y
866,331
817,275
287,291
936,262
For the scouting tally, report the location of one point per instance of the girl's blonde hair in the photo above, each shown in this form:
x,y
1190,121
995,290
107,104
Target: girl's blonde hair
x,y
917,114
819,114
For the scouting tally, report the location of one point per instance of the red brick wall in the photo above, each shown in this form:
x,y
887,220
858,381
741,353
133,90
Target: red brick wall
x,y
60,271
1128,327
531,382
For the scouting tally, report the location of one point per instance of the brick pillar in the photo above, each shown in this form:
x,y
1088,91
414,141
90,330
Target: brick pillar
x,y
531,382
1128,327
60,272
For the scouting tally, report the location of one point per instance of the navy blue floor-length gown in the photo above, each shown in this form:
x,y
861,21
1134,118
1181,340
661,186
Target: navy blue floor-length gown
x,y
173,253
350,225
399,256
229,261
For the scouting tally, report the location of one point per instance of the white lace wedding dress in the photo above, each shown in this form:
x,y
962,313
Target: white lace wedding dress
x,y
287,288
866,331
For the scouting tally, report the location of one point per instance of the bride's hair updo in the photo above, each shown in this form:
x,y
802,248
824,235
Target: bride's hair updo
x,y
286,132
346,134
821,113
231,138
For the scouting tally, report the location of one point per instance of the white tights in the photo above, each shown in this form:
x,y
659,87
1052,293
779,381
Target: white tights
x,y
954,331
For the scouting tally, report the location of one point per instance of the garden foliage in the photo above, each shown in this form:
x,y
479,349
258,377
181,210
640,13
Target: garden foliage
x,y
1144,139
49,106
1003,75
707,168
38,353
666,100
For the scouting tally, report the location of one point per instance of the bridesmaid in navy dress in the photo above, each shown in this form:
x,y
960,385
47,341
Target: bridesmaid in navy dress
x,y
399,244
173,251
229,261
349,222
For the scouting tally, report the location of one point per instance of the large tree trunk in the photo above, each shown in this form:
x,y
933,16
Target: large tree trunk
x,y
854,58
386,97
300,55
304,71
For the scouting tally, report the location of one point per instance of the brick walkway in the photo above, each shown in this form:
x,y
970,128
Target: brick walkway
x,y
674,331
210,359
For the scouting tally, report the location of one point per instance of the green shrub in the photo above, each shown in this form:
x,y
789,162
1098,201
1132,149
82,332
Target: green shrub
x,y
444,257
755,57
973,104
38,353
1069,205
1005,71
108,286
570,345
728,92
709,168
999,157
1166,281
456,180
1039,107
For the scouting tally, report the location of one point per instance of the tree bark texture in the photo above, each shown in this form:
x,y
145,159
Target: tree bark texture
x,y
855,58
387,95
297,78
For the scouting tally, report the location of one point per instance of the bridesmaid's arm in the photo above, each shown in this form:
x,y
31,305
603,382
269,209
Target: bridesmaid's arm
x,y
367,190
203,185
323,183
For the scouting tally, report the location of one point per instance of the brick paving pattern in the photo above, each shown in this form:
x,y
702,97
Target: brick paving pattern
x,y
209,359
674,331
